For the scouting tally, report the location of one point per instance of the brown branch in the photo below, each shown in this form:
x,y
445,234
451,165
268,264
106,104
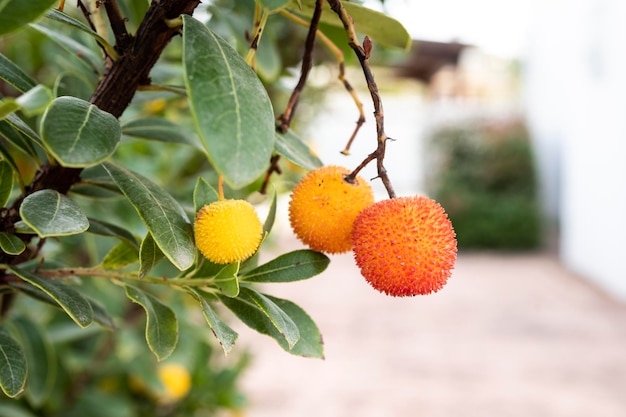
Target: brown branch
x,y
113,94
363,53
284,120
118,26
307,64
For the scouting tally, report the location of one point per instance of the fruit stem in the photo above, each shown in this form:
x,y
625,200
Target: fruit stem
x,y
220,187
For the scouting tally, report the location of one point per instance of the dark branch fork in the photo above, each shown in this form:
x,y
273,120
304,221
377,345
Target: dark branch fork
x,y
114,92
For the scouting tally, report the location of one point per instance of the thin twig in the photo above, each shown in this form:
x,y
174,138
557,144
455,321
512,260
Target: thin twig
x,y
342,74
363,52
118,25
284,120
307,63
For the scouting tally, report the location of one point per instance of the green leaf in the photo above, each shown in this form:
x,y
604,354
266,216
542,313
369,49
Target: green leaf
x,y
293,266
101,228
310,344
19,126
381,28
11,244
78,133
35,100
68,84
6,181
226,280
7,107
100,315
203,194
274,5
165,218
50,213
161,323
40,356
70,300
271,217
149,255
4,153
222,332
261,314
86,56
13,366
122,254
158,128
59,16
292,148
14,75
230,107
16,13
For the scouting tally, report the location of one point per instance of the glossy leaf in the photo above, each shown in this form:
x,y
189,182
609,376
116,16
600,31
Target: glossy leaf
x,y
40,356
70,300
78,133
20,126
14,75
11,244
261,314
100,315
149,255
310,344
13,366
222,332
292,148
7,107
203,194
165,218
69,84
158,128
35,100
271,216
381,28
4,153
99,227
59,16
229,104
226,280
293,266
16,13
6,181
161,323
122,254
50,213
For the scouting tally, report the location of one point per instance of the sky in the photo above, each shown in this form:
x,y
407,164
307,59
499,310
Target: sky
x,y
498,26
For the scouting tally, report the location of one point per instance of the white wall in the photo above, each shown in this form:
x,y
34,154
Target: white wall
x,y
576,101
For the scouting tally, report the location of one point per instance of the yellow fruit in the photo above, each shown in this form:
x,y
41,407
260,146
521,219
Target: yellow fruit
x,y
227,231
405,246
176,380
324,205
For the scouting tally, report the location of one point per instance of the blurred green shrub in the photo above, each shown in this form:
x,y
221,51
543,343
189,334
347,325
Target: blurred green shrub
x,y
484,175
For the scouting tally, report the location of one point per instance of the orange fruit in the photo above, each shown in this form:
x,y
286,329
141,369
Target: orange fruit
x,y
227,231
323,207
405,246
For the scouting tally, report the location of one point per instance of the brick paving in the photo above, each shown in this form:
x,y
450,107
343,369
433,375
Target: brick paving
x,y
510,335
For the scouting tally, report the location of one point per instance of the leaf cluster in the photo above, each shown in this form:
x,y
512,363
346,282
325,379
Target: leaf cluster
x,y
99,196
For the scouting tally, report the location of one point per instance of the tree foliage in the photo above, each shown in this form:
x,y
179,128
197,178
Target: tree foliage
x,y
117,122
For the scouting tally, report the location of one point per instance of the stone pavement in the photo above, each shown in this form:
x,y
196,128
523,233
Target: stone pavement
x,y
510,335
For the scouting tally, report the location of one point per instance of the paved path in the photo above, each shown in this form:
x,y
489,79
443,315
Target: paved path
x,y
509,336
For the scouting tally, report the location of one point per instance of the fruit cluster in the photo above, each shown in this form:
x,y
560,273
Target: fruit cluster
x,y
403,246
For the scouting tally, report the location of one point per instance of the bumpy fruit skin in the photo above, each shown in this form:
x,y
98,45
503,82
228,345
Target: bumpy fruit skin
x,y
405,246
323,207
176,380
227,231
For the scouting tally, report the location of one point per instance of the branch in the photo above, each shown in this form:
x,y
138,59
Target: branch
x,y
363,53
